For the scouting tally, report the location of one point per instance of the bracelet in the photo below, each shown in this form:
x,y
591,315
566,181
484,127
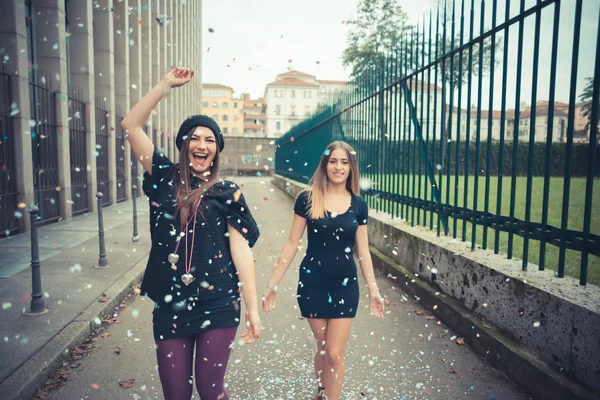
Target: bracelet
x,y
272,288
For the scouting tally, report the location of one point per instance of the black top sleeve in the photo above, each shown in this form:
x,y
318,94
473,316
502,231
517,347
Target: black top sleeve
x,y
363,212
301,205
238,213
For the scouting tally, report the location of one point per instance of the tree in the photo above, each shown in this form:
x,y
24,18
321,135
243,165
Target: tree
x,y
374,34
586,99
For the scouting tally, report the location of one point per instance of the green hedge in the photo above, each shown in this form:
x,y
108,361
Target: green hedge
x,y
371,153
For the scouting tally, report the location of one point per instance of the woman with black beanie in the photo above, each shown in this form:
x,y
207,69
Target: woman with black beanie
x,y
200,261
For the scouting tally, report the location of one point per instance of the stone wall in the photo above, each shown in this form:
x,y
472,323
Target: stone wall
x,y
245,156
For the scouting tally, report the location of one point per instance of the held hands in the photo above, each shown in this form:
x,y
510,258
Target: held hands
x,y
268,300
178,76
252,326
377,304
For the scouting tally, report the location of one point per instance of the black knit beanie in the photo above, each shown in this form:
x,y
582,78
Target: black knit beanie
x,y
195,121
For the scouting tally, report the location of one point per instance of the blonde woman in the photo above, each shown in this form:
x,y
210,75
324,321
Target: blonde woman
x,y
328,290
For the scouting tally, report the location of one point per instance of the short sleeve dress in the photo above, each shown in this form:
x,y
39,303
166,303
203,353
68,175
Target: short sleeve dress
x,y
212,300
328,284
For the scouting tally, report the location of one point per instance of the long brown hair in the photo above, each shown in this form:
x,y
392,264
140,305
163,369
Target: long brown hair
x,y
318,182
187,197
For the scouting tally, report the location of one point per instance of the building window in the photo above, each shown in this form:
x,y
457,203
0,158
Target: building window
x,y
305,95
225,104
293,93
278,125
214,104
205,104
278,109
225,117
275,93
234,130
225,130
235,105
215,117
310,94
235,117
292,109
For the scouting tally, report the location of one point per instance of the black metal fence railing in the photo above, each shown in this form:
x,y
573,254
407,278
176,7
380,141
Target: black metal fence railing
x,y
120,158
102,167
9,213
44,148
78,152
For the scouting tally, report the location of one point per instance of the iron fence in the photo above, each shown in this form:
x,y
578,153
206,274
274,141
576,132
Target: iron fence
x,y
102,167
9,212
519,179
78,152
44,146
120,157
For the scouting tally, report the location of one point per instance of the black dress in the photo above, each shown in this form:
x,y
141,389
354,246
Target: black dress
x,y
212,300
328,285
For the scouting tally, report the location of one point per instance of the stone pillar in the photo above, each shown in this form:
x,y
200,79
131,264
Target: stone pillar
x,y
51,51
13,36
81,48
198,37
155,31
104,66
125,42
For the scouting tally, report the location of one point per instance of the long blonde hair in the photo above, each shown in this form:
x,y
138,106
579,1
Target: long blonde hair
x,y
318,182
187,197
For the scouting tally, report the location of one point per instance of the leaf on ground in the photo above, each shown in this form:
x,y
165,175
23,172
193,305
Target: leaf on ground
x,y
118,349
42,394
420,313
452,371
460,341
127,383
105,335
103,298
430,317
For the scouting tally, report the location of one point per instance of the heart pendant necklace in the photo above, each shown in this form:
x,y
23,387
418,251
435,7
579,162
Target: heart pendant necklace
x,y
173,258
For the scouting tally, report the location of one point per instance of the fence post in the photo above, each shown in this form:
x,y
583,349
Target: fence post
x,y
38,306
136,236
102,260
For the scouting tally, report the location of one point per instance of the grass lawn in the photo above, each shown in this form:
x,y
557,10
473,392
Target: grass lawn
x,y
393,183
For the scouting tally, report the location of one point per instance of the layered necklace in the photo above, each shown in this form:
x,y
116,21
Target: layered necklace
x,y
173,258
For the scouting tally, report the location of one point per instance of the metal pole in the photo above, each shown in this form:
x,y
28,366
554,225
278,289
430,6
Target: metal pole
x,y
136,236
38,306
102,260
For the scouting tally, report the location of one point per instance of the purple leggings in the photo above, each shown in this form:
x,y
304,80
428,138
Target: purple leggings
x,y
175,358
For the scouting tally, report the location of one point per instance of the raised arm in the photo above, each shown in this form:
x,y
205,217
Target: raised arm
x,y
140,143
285,259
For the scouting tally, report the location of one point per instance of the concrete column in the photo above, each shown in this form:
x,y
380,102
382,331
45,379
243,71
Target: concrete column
x,y
125,43
155,30
148,24
51,51
13,35
81,49
198,37
174,39
104,65
163,67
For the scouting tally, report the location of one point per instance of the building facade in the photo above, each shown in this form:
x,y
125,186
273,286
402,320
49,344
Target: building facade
x,y
71,70
255,118
219,103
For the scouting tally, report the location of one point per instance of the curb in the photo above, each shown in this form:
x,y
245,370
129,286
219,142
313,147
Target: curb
x,y
523,368
24,382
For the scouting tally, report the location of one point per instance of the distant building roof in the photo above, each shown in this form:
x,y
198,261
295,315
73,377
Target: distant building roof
x,y
214,86
291,82
296,73
333,82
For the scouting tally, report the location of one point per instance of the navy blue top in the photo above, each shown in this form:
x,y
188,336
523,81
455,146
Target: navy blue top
x,y
212,299
328,285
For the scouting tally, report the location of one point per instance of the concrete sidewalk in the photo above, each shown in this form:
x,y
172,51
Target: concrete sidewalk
x,y
75,292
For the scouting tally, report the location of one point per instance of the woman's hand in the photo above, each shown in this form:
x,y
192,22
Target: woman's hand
x,y
252,326
268,300
377,304
177,77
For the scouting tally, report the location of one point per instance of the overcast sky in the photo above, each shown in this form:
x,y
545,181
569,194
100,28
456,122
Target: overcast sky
x,y
254,40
